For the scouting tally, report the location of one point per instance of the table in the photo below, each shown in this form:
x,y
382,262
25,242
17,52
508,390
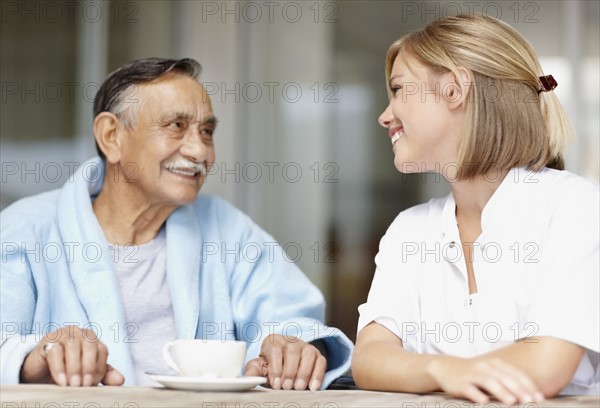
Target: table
x,y
52,396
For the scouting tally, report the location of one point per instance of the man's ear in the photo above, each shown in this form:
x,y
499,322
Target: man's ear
x,y
106,132
457,88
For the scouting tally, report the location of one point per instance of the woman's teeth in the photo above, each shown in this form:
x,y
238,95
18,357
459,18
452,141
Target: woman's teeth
x,y
396,137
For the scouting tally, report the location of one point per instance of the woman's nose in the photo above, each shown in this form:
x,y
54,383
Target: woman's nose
x,y
386,118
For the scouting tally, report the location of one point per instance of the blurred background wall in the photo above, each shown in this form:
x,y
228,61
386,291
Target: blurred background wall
x,y
297,87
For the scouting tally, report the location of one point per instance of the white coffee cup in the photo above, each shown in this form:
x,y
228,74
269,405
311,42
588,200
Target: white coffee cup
x,y
209,358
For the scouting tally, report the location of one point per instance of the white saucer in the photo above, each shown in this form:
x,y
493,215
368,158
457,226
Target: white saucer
x,y
208,383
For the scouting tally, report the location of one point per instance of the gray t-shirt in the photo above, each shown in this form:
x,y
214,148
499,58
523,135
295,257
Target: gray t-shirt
x,y
150,322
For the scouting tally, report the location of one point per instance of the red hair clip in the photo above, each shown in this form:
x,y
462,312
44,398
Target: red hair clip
x,y
548,83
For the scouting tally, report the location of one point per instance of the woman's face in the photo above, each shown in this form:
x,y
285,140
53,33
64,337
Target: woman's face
x,y
423,121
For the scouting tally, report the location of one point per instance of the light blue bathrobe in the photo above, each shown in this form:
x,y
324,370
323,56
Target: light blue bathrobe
x,y
227,278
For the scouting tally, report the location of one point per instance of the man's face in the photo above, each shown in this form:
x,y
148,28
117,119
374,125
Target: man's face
x,y
165,157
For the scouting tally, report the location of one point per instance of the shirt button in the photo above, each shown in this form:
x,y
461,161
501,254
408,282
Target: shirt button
x,y
452,244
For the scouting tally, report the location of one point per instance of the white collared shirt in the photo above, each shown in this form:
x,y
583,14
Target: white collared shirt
x,y
536,263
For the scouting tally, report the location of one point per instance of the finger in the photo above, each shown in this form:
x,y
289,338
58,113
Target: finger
x,y
72,347
521,385
256,367
252,368
55,358
308,358
275,365
113,376
292,354
101,358
493,384
318,373
475,394
89,358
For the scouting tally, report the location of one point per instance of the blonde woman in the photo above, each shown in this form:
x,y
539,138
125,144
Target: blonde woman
x,y
491,292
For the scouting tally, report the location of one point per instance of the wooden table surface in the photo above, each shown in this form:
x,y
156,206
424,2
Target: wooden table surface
x,y
52,396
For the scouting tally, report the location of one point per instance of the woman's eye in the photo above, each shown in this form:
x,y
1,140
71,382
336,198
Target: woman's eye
x,y
207,132
395,89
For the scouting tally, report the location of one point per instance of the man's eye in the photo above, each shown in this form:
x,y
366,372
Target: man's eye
x,y
177,125
208,132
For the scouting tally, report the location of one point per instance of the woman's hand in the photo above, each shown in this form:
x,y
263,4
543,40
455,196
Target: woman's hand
x,y
478,379
70,356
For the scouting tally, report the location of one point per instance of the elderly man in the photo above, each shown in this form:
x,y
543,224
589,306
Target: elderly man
x,y
97,276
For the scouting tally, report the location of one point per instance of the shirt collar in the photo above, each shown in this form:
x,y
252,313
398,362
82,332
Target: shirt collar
x,y
499,208
448,220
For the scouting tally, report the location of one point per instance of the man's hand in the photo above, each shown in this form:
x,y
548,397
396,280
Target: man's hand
x,y
70,356
289,363
479,378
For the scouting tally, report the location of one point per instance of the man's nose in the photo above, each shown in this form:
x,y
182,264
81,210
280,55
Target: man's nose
x,y
386,118
193,147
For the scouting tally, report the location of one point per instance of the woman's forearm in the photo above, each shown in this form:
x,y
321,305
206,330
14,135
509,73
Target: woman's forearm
x,y
550,362
388,367
380,362
538,366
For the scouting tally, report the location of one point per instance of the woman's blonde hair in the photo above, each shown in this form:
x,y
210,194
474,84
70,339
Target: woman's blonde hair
x,y
509,122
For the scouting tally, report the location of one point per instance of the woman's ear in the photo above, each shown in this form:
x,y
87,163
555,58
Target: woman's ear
x,y
106,132
457,88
